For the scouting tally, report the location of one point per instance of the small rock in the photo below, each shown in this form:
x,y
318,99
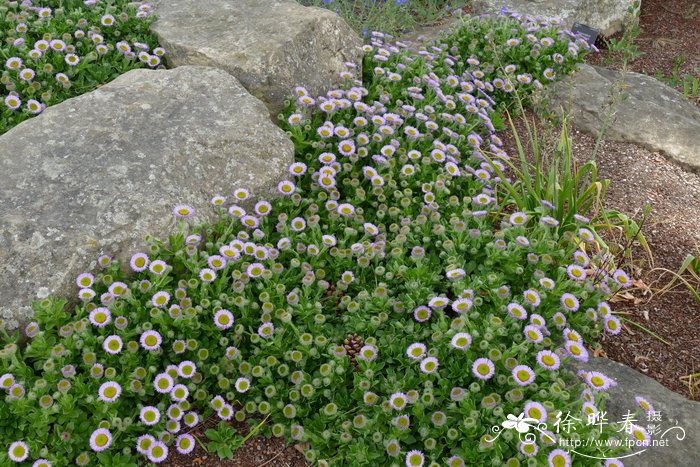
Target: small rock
x,y
653,115
606,16
100,167
271,47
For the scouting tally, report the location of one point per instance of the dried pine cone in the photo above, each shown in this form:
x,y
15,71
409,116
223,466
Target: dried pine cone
x,y
353,343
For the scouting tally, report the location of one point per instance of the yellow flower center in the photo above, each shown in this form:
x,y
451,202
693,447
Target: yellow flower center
x,y
101,440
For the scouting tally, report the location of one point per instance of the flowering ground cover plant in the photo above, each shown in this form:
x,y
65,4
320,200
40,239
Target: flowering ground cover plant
x,y
54,50
397,301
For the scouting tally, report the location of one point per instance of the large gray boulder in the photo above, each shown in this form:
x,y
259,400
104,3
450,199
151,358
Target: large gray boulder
x,y
653,115
97,173
673,409
270,46
607,16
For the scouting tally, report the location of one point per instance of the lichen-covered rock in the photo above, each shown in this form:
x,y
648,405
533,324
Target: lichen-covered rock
x,y
270,46
652,114
97,173
607,16
677,419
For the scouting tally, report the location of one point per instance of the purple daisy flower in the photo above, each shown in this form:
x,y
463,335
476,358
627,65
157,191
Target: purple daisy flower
x,y
523,375
398,400
18,451
158,452
368,353
414,458
621,278
255,270
644,404
100,317
13,102
612,324
85,280
7,380
535,410
149,415
118,289
402,422
109,391
533,334
547,283
242,384
483,368
517,311
438,303
548,360
462,305
100,439
416,351
528,449
286,188
185,443
112,344
576,350
345,209
559,319
422,314
370,229
518,218
461,340
266,330
207,275
163,383
223,319
417,252
549,221
183,211
570,302
559,458
160,299
532,298
597,381
576,272
346,147
179,393
151,340
613,463
455,274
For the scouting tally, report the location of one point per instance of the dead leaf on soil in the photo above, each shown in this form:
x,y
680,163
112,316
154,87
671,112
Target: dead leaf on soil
x,y
638,283
641,358
626,297
301,447
663,42
599,352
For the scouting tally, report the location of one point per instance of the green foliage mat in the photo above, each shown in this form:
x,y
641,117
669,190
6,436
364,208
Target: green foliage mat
x,y
402,302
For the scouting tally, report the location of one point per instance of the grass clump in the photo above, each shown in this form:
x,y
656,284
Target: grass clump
x,y
394,306
390,16
54,50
